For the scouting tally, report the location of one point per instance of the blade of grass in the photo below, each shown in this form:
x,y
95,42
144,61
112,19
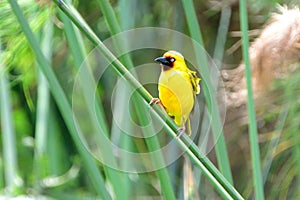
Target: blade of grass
x,y
74,40
8,133
254,146
43,97
222,35
153,144
114,28
125,141
79,54
119,136
126,22
110,16
2,182
119,180
56,151
50,152
296,153
195,154
62,103
203,142
274,142
128,8
218,57
221,150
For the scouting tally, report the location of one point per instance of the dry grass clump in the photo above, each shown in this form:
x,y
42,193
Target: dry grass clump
x,y
271,56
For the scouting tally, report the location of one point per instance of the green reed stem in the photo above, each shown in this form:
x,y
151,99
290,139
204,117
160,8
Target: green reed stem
x,y
220,183
255,155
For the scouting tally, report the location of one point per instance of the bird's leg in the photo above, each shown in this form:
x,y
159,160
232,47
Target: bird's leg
x,y
156,101
182,131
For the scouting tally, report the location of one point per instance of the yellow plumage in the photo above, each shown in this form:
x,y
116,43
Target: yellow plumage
x,y
177,87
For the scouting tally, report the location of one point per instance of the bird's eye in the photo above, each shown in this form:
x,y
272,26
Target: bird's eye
x,y
172,59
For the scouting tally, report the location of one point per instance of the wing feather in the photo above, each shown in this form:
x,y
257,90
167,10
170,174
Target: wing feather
x,y
195,81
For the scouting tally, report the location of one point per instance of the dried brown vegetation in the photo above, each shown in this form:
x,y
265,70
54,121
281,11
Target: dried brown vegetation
x,y
271,56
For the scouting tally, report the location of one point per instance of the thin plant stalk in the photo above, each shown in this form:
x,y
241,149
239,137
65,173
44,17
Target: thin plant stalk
x,y
128,8
221,150
274,142
8,133
43,100
56,150
217,57
254,146
79,54
49,148
124,140
153,143
62,102
193,151
222,35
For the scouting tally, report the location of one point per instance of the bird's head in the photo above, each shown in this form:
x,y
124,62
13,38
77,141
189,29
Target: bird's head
x,y
172,60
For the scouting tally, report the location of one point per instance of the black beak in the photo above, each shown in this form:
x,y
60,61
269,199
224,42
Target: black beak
x,y
163,61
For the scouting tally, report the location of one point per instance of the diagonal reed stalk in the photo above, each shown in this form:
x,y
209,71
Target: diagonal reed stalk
x,y
62,103
254,146
152,142
208,169
79,54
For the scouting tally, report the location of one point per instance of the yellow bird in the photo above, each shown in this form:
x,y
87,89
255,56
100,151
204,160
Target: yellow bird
x,y
177,86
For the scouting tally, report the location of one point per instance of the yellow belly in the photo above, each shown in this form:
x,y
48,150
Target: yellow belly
x,y
176,94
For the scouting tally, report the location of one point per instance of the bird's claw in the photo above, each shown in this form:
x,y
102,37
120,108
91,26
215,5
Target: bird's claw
x,y
181,131
156,101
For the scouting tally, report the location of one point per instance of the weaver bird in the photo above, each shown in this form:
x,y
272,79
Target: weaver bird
x,y
177,86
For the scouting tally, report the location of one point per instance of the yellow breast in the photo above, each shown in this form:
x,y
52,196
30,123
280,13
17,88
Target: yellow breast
x,y
176,94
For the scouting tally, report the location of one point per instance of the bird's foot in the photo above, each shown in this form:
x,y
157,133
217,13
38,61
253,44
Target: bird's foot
x,y
181,131
156,101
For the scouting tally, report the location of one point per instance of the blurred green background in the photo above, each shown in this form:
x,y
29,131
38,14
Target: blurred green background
x,y
42,158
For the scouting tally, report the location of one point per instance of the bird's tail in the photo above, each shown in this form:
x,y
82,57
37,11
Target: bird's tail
x,y
188,129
